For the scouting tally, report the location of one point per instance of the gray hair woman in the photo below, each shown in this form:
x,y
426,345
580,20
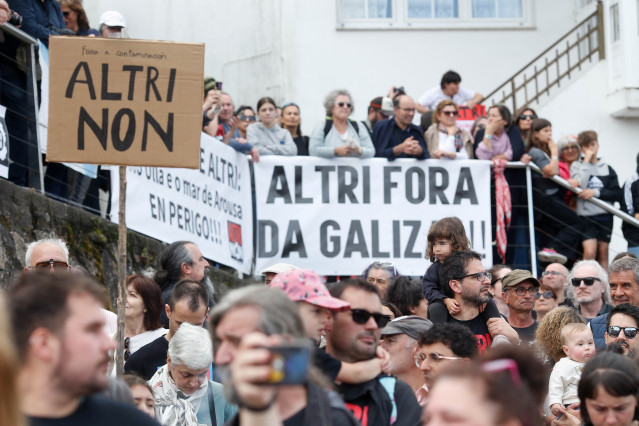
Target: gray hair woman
x,y
181,389
337,135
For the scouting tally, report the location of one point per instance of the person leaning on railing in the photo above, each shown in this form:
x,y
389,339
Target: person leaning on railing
x,y
443,138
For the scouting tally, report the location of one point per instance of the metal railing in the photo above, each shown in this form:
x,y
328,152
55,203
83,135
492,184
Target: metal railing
x,y
32,90
583,44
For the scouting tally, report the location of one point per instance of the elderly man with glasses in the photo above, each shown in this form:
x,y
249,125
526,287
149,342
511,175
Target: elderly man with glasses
x,y
556,277
520,290
590,289
464,279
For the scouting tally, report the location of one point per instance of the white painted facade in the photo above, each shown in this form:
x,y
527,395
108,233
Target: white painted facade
x,y
293,50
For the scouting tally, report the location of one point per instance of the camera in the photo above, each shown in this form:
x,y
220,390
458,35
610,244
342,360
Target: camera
x,y
289,364
16,19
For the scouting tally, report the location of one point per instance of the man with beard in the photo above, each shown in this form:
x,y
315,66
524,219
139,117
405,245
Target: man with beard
x,y
590,289
621,328
465,280
187,303
623,279
59,333
181,260
354,336
520,290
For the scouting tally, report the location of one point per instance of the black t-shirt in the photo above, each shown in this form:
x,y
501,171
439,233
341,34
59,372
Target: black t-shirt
x,y
99,411
327,364
527,334
146,360
371,405
479,328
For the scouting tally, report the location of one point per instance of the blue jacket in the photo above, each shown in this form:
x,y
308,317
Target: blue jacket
x,y
598,327
382,134
35,21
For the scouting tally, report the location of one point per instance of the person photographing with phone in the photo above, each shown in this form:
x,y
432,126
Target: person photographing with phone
x,y
253,329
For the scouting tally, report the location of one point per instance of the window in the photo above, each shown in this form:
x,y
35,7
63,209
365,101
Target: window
x,y
434,14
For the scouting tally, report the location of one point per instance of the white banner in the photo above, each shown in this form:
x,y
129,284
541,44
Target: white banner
x,y
210,206
337,216
4,145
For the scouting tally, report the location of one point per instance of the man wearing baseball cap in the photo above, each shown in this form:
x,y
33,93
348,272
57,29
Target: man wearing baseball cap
x,y
111,24
305,288
520,290
400,341
270,272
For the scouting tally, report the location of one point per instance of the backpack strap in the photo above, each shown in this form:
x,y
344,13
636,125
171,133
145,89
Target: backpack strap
x,y
388,382
209,393
329,124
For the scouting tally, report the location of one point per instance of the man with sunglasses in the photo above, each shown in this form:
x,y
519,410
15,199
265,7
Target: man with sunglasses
x,y
398,137
589,289
52,255
621,328
623,278
464,279
556,276
520,290
354,336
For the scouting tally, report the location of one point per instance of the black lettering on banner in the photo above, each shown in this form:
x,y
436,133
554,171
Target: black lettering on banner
x,y
158,210
299,188
409,253
388,184
421,185
333,249
345,189
264,226
366,181
150,82
375,241
105,94
169,89
355,242
165,136
465,187
437,190
122,144
325,172
397,242
132,70
100,132
74,79
279,187
294,241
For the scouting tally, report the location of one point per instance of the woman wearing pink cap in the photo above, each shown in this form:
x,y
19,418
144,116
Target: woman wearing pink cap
x,y
314,301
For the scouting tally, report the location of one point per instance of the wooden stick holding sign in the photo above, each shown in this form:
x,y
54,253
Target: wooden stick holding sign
x,y
125,102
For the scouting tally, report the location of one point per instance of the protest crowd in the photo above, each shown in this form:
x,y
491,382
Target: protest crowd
x,y
460,345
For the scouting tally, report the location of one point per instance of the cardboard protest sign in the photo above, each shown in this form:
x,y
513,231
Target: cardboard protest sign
x,y
125,102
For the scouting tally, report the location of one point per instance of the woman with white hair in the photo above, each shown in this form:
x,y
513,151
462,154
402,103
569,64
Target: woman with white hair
x,y
338,135
183,394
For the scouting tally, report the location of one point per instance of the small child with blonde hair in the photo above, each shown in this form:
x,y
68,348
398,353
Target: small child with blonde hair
x,y
578,345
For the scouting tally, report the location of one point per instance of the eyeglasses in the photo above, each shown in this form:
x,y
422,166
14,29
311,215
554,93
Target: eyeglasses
x,y
480,276
521,291
495,281
546,294
527,117
553,273
587,280
629,332
246,117
344,104
57,265
449,113
361,316
569,147
432,357
127,351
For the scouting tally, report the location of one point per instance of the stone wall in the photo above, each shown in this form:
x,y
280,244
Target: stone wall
x,y
26,215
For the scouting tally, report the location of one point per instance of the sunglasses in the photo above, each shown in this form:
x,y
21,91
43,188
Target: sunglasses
x,y
247,117
629,332
527,116
361,316
344,104
545,294
433,357
480,276
66,13
57,265
449,113
569,147
576,282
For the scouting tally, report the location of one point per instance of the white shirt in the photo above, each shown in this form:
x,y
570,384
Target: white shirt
x,y
431,98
